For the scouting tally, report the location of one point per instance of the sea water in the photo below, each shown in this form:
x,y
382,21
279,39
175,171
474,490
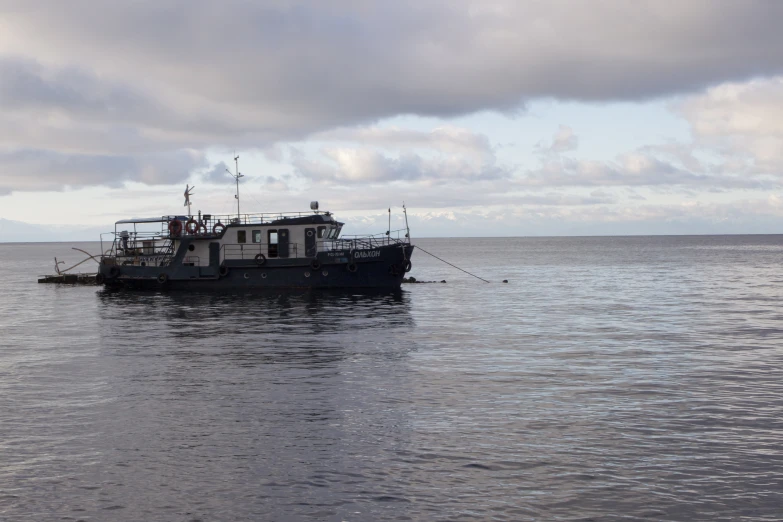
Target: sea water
x,y
627,378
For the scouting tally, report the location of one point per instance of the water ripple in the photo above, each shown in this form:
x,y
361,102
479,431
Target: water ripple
x,y
612,378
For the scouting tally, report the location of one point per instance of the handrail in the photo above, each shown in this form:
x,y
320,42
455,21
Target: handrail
x,y
379,235
134,246
365,243
226,219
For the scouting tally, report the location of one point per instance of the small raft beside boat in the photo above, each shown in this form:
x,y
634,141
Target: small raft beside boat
x,y
69,279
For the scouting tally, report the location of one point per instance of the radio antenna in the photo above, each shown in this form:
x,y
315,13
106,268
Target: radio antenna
x,y
236,176
407,228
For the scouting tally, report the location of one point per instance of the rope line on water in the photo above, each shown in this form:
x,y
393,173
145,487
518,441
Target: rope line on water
x,y
455,266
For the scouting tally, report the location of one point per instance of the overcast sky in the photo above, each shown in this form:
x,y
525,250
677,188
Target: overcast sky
x,y
487,117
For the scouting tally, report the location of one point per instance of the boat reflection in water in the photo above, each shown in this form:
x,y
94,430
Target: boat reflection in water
x,y
265,395
207,314
211,322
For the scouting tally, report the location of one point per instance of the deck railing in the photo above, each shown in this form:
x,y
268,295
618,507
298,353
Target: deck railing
x,y
371,241
138,244
251,250
242,219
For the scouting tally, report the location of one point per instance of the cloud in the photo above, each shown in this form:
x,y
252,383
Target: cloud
x,y
357,165
737,144
763,215
383,155
217,174
45,170
750,108
564,140
29,86
282,70
634,169
447,139
742,124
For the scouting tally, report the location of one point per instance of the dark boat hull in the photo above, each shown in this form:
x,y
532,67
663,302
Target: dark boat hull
x,y
377,268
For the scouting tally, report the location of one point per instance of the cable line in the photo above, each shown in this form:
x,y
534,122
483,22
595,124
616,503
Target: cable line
x,y
455,266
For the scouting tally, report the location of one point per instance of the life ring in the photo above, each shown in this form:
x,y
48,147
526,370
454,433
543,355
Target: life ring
x,y
114,271
219,228
163,278
223,271
100,279
175,227
260,259
407,266
315,264
201,229
191,226
352,267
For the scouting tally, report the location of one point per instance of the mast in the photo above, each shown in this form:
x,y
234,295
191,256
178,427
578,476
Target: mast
x,y
236,177
188,193
407,228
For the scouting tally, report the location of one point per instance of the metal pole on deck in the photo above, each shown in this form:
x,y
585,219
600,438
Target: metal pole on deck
x,y
407,228
236,177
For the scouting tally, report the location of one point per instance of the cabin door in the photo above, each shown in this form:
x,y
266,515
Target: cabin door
x,y
310,246
272,242
282,242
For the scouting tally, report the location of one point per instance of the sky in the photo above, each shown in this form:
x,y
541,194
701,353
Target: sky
x,y
486,118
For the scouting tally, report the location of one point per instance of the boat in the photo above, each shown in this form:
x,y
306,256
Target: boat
x,y
251,251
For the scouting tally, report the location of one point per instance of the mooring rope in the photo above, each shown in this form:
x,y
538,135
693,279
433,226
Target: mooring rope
x,y
455,266
57,264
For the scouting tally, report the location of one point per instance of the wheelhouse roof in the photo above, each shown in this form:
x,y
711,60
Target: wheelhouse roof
x,y
142,220
305,220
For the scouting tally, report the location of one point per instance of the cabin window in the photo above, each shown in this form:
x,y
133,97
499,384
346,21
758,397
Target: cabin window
x,y
321,232
272,236
256,236
241,236
331,233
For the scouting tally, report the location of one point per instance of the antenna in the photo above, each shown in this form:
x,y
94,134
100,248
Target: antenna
x,y
188,193
236,177
407,228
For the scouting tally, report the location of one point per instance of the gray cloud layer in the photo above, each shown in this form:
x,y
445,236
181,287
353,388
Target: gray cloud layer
x,y
48,170
347,61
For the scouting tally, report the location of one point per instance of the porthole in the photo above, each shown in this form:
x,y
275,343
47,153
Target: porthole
x,y
263,275
325,273
247,276
191,247
309,233
143,263
307,274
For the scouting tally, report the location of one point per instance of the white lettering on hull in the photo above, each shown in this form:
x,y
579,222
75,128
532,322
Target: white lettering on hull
x,y
362,254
